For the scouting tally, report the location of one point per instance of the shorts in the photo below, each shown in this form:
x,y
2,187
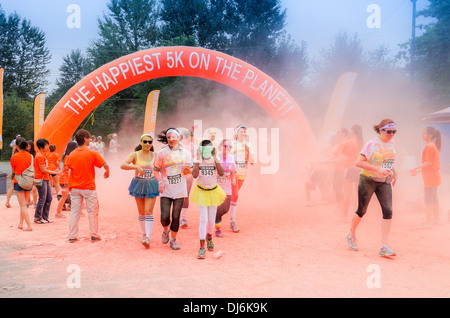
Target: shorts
x,y
18,188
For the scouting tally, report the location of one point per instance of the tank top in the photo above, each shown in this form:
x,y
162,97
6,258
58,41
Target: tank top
x,y
146,165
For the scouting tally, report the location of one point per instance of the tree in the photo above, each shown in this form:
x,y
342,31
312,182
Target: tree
x,y
433,51
24,56
129,27
75,66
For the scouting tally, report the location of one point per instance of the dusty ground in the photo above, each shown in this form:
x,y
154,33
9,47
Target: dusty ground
x,y
284,250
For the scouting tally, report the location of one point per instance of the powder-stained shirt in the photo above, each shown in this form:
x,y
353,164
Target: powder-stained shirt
x,y
170,163
380,154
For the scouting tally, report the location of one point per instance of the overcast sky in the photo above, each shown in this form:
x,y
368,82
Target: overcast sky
x,y
315,22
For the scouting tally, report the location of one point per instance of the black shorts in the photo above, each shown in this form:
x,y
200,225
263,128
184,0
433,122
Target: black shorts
x,y
18,188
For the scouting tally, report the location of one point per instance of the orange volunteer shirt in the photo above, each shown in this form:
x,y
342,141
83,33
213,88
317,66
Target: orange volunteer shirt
x,y
81,165
40,160
19,162
431,176
64,178
52,158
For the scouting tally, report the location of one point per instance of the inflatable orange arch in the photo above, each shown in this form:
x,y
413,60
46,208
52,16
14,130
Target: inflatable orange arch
x,y
96,87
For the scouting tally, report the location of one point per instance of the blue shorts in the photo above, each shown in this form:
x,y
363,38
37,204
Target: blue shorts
x,y
18,188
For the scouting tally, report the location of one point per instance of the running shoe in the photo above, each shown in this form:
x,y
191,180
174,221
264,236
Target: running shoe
x,y
145,241
218,233
72,240
49,221
183,224
95,239
233,226
351,241
165,237
209,244
174,245
201,253
387,251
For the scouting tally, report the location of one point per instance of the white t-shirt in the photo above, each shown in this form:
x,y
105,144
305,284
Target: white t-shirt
x,y
170,162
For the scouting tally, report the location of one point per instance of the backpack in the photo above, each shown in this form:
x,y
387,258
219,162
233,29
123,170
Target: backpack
x,y
25,180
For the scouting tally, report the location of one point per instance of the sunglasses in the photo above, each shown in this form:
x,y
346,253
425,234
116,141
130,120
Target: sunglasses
x,y
226,146
390,132
147,141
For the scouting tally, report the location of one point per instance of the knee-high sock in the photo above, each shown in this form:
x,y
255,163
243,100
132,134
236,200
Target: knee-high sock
x,y
148,225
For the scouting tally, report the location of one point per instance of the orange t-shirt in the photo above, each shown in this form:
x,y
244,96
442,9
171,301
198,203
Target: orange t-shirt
x,y
40,160
81,164
20,161
52,159
431,175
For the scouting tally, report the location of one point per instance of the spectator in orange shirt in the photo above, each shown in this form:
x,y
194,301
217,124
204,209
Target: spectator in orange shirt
x,y
81,164
64,179
41,171
54,160
20,161
430,173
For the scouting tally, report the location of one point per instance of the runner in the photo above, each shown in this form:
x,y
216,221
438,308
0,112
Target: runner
x,y
41,214
430,174
227,182
15,149
243,153
20,161
144,186
376,160
100,146
207,194
81,164
174,162
32,150
64,180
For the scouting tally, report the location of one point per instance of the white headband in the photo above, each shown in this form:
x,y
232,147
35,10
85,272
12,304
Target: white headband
x,y
239,127
174,131
390,125
146,135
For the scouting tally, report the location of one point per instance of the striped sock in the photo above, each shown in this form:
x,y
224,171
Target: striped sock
x,y
142,223
218,226
148,225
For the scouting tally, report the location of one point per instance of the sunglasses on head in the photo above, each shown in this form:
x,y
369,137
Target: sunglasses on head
x,y
147,141
390,132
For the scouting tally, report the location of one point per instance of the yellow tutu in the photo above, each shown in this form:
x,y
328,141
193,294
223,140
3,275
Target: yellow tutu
x,y
201,197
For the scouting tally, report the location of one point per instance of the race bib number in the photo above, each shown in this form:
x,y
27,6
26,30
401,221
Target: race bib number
x,y
207,170
222,179
174,179
387,164
240,165
148,174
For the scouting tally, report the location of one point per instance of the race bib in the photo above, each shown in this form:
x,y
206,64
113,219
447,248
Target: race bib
x,y
222,179
240,165
387,164
148,174
207,170
174,179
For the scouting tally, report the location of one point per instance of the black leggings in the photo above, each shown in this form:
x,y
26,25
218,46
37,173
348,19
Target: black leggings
x,y
223,209
366,188
176,210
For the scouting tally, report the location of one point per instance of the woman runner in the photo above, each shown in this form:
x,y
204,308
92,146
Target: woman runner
x,y
378,174
207,194
144,186
174,162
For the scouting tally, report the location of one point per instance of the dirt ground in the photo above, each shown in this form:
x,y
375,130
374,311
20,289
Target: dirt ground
x,y
284,250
